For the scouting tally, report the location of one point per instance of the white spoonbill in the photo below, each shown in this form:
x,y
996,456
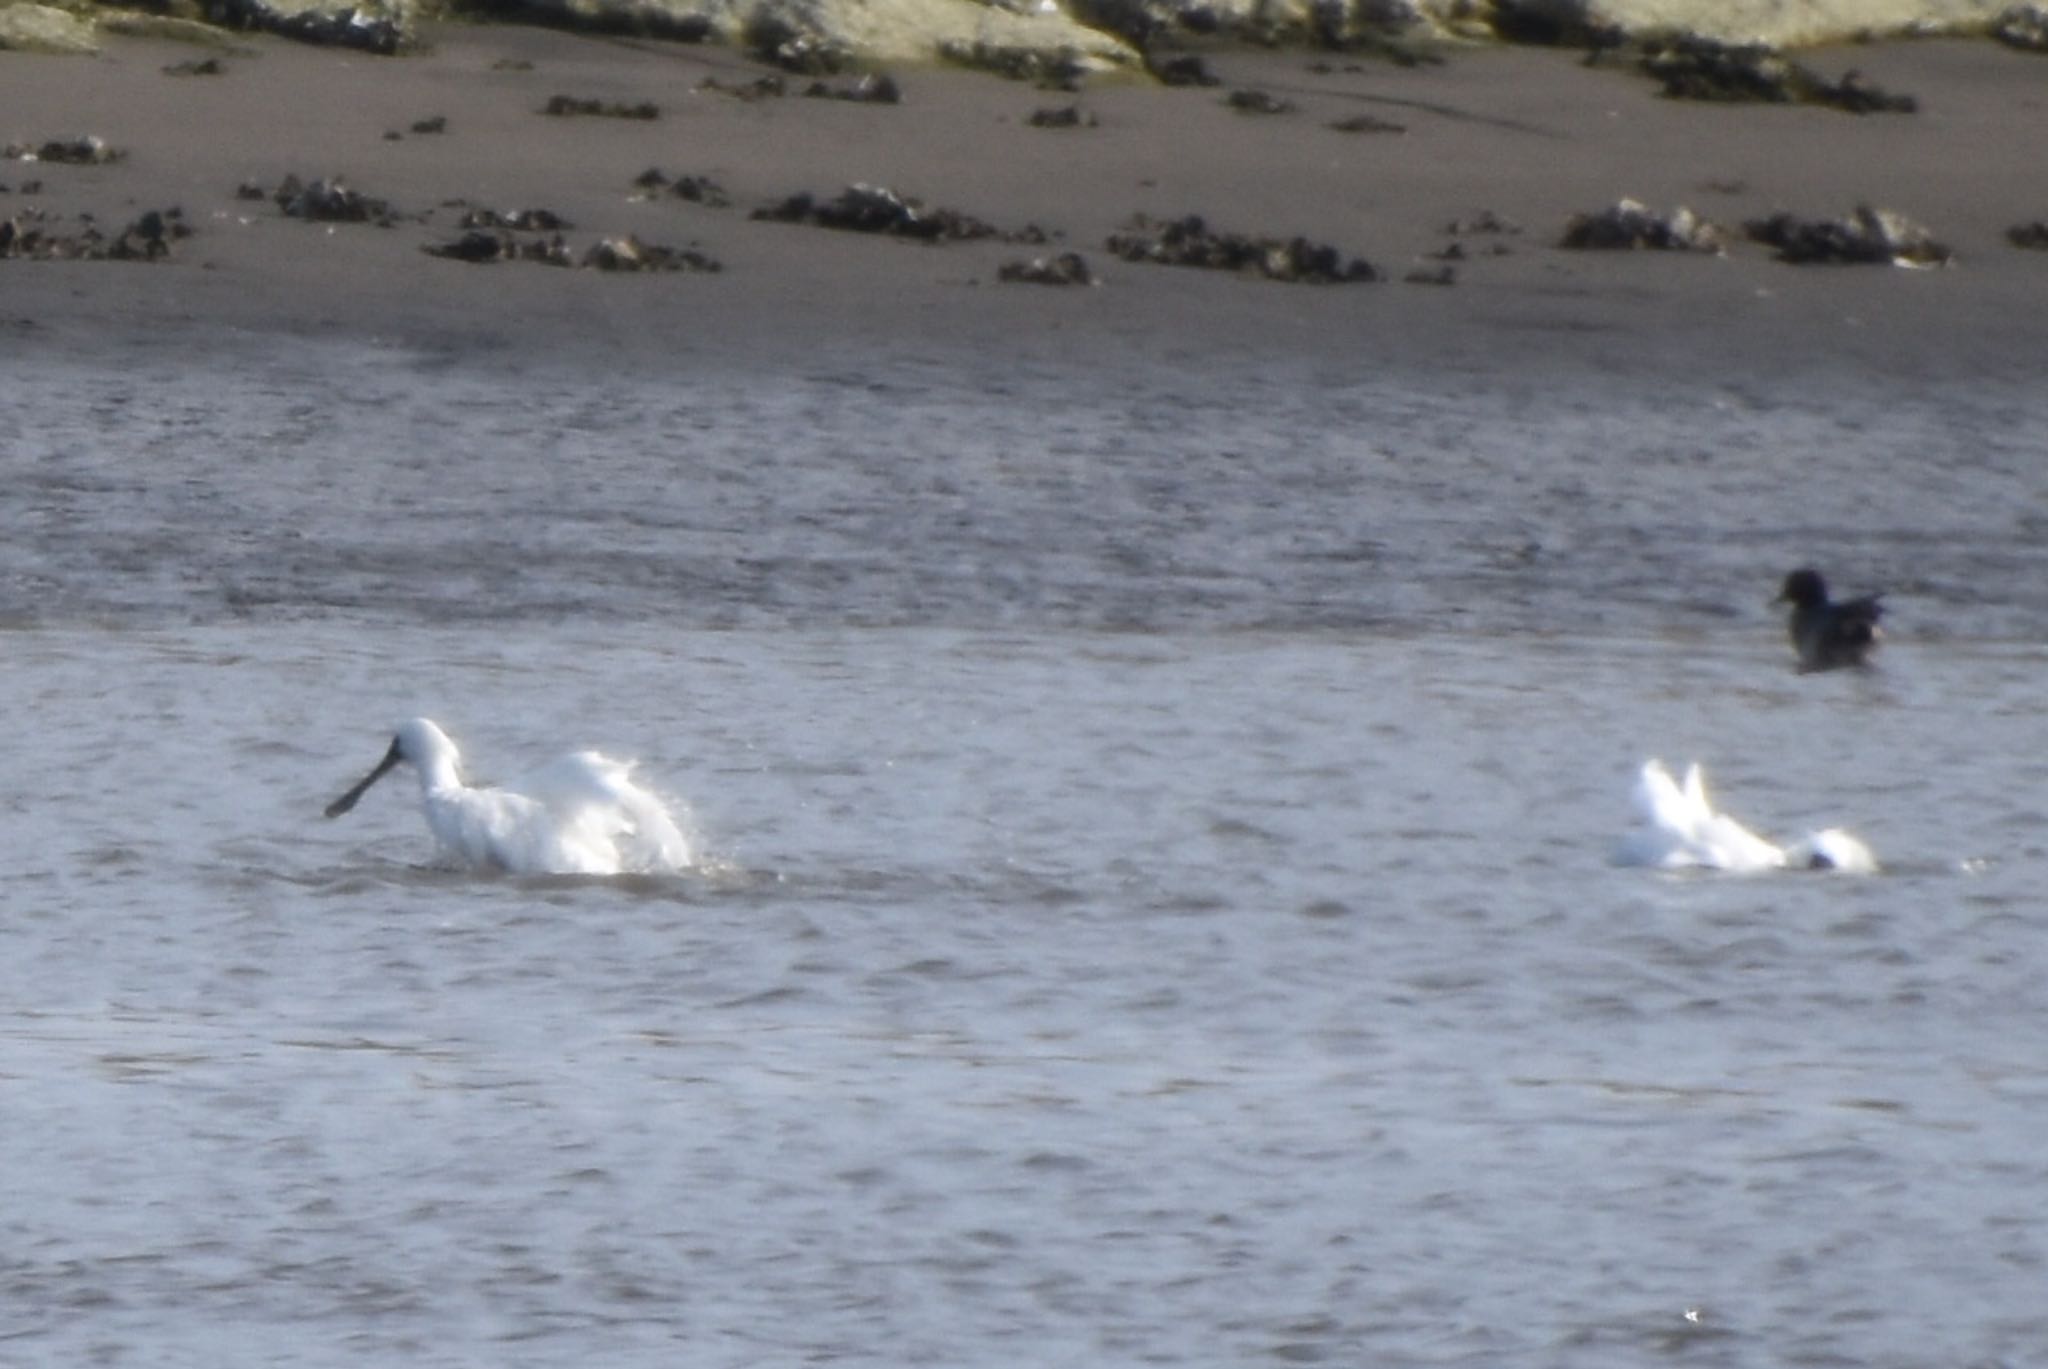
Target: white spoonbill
x,y
579,815
1681,830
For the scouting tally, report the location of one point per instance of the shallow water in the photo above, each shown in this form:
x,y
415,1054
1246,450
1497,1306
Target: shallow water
x,y
1159,908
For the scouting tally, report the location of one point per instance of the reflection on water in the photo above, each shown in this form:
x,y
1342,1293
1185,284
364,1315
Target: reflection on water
x,y
1161,907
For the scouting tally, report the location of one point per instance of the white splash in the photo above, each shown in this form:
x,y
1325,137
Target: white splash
x,y
1681,830
580,815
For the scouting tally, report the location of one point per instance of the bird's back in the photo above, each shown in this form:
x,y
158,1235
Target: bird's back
x,y
605,817
1831,635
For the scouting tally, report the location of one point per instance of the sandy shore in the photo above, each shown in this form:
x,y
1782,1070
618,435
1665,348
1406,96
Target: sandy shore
x,y
1531,136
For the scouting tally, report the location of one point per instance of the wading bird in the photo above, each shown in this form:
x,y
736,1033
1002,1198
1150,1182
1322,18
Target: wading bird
x,y
580,815
1827,634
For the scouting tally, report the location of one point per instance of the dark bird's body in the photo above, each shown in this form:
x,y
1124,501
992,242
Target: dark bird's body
x,y
1826,634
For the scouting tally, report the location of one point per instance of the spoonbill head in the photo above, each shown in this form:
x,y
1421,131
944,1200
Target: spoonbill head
x,y
582,814
426,746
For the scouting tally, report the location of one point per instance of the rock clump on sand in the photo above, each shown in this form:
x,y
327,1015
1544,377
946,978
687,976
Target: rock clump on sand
x,y
769,87
1251,101
1367,123
487,245
1187,69
89,150
870,88
480,246
654,183
379,26
1866,236
32,236
1067,268
1629,225
1692,68
1063,116
2032,235
2024,27
1483,224
631,254
1189,241
516,220
876,209
1482,234
574,107
328,201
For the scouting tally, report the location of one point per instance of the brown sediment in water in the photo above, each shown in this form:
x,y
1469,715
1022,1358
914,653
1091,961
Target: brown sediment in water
x,y
1532,136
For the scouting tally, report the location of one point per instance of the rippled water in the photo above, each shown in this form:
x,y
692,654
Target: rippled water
x,y
1160,909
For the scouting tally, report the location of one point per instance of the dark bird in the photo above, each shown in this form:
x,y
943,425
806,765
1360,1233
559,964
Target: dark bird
x,y
1827,634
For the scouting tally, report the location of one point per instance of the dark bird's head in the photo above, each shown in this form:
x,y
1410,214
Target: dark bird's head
x,y
1804,588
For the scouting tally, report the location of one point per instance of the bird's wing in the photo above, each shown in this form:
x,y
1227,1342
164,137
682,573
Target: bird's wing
x,y
1696,794
1665,838
596,802
1660,801
1860,616
1731,846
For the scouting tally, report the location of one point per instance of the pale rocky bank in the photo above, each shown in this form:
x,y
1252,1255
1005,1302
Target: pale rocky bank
x,y
1037,37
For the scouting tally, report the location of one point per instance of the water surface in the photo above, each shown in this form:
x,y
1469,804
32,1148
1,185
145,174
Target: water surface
x,y
1159,909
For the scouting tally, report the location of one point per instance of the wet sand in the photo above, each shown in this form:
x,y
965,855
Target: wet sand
x,y
1532,136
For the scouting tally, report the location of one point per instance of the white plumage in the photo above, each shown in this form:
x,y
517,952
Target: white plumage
x,y
580,815
1681,830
